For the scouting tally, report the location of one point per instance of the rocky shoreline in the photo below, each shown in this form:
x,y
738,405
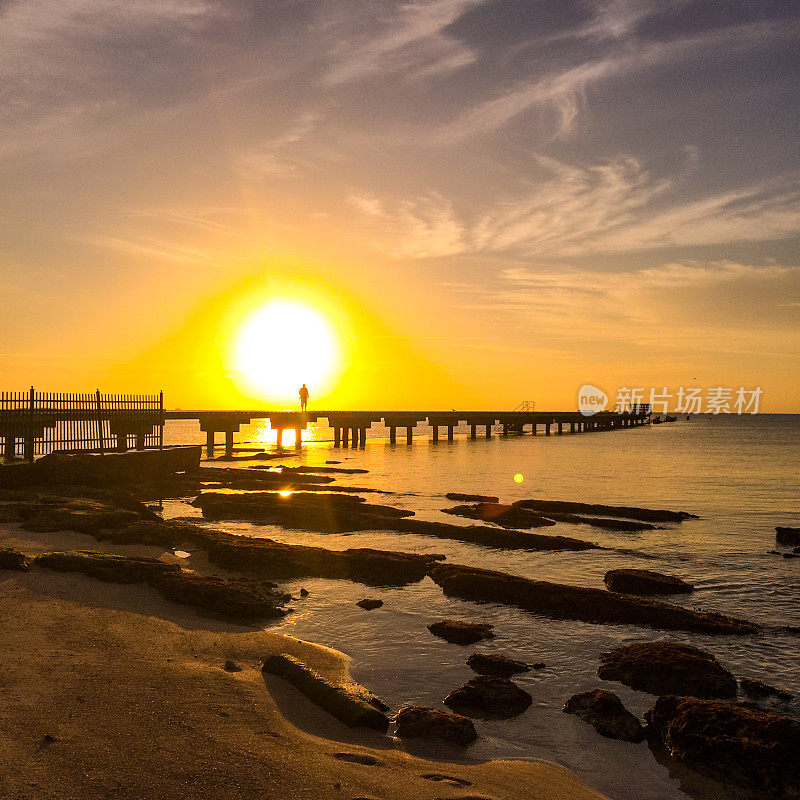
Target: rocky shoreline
x,y
300,499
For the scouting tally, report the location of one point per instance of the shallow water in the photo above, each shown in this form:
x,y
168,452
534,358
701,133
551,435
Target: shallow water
x,y
738,473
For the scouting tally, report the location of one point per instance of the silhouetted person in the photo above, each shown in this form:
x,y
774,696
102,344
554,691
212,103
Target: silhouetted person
x,y
303,397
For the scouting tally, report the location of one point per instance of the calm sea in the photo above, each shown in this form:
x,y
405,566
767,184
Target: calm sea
x,y
740,474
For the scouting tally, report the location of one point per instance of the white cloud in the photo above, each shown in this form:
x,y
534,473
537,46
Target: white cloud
x,y
411,40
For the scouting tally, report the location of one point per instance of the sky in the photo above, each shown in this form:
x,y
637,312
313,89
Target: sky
x,y
491,201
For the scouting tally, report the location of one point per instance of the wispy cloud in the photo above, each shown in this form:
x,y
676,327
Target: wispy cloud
x,y
425,227
613,207
410,39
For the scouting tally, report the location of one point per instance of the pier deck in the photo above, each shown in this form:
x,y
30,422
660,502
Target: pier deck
x,y
35,423
350,427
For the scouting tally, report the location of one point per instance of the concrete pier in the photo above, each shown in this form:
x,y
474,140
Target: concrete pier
x,y
350,427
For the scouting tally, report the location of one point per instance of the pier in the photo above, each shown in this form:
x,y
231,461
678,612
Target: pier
x,y
36,423
350,427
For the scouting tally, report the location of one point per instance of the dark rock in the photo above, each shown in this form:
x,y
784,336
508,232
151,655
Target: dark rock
x,y
628,512
790,555
483,695
472,498
505,515
231,666
304,593
308,511
228,598
12,559
233,599
562,601
161,533
450,780
497,665
506,539
107,566
666,667
625,525
378,703
261,478
329,513
285,561
788,536
539,665
458,632
348,703
369,604
359,758
434,723
310,469
109,469
83,516
643,581
751,749
757,690
604,711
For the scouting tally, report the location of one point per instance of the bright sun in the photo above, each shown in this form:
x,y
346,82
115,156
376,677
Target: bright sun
x,y
283,345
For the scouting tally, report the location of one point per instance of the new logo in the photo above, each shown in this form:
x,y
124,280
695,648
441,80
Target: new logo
x,y
591,400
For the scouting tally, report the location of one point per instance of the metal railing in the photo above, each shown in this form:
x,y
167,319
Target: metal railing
x,y
35,423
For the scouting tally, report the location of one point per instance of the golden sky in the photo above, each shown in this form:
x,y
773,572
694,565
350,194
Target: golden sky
x,y
484,206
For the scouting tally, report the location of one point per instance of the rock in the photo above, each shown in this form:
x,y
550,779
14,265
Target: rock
x,y
497,665
231,666
304,593
790,555
665,667
83,516
369,604
458,632
166,534
788,536
751,749
472,498
227,598
604,711
285,561
107,566
12,559
348,703
232,599
261,478
644,581
539,665
359,758
505,515
506,539
450,780
628,512
327,513
562,601
434,723
757,690
483,695
625,525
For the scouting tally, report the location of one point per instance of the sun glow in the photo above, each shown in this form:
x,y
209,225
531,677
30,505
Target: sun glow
x,y
282,345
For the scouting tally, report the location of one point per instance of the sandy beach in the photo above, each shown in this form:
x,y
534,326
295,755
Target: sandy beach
x,y
109,690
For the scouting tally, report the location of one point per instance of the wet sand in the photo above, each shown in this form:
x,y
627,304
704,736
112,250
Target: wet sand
x,y
108,690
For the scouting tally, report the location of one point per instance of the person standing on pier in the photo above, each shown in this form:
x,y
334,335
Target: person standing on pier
x,y
303,398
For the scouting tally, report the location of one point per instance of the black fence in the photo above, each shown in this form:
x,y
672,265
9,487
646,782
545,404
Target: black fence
x,y
35,423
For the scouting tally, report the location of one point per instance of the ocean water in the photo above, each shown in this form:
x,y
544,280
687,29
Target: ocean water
x,y
739,474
